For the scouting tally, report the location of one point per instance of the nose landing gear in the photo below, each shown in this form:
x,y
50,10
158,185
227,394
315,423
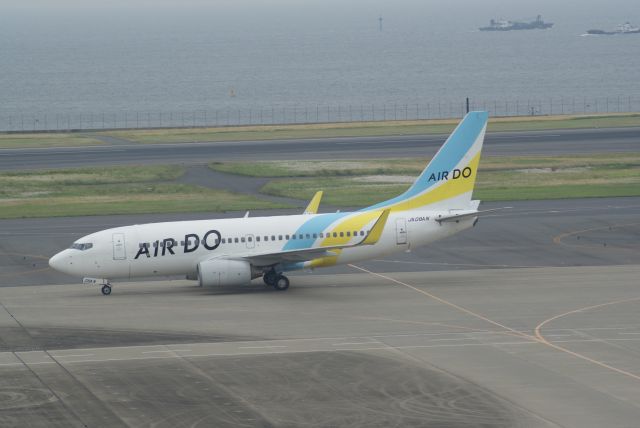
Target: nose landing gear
x,y
106,286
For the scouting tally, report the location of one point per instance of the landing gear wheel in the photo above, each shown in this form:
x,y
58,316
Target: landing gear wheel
x,y
281,283
269,278
106,289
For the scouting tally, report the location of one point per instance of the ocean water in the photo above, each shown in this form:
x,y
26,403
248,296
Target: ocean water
x,y
64,59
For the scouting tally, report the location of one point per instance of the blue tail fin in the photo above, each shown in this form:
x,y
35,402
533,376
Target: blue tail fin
x,y
448,180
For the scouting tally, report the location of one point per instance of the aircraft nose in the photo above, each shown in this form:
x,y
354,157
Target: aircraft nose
x,y
56,261
60,261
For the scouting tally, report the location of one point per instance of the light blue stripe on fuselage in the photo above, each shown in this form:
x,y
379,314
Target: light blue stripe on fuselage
x,y
456,146
316,224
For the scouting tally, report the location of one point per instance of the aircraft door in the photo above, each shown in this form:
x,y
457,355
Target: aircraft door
x,y
119,248
401,231
251,241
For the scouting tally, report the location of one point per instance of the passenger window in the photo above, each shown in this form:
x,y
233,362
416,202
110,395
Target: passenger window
x,y
361,233
315,236
348,233
242,239
335,234
302,236
293,236
279,237
235,240
273,237
257,239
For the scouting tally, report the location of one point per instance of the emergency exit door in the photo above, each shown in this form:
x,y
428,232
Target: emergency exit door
x,y
401,231
119,248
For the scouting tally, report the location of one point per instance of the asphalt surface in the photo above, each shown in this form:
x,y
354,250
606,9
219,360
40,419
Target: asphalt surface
x,y
578,232
491,348
527,320
445,338
585,141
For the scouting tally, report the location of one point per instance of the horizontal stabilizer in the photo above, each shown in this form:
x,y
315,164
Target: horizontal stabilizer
x,y
462,215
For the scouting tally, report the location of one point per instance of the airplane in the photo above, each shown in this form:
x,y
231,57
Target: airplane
x,y
234,251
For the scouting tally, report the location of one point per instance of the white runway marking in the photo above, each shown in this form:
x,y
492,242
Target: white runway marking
x,y
293,346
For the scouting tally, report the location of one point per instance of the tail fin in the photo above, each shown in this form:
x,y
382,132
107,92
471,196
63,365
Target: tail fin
x,y
448,180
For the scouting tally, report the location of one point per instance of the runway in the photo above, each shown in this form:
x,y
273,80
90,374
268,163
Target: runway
x,y
556,142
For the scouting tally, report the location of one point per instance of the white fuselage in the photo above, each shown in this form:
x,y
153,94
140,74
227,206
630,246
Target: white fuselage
x,y
176,248
234,251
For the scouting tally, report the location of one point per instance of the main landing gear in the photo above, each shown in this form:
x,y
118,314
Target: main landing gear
x,y
276,280
106,289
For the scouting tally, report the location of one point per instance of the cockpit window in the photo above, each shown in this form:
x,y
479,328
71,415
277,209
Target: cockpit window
x,y
81,246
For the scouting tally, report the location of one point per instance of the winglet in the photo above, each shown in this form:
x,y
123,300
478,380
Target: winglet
x,y
314,204
376,231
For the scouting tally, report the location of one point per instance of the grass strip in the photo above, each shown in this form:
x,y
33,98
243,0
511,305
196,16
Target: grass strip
x,y
117,190
413,166
512,178
53,139
378,128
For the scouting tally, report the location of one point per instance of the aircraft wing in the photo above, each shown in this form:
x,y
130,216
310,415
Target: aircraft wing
x,y
465,214
304,254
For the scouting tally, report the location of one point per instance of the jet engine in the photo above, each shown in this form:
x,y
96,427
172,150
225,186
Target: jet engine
x,y
223,272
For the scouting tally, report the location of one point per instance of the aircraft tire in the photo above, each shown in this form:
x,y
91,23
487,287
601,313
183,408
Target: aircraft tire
x,y
270,278
106,290
281,283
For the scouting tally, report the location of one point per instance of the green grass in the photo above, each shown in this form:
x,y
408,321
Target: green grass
x,y
117,190
32,140
338,191
509,178
381,128
558,192
321,168
324,130
413,166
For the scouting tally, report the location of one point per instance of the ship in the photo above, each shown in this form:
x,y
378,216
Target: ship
x,y
625,28
504,25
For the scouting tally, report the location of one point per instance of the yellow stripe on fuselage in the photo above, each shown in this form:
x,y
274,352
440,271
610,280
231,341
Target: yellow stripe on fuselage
x,y
351,224
447,190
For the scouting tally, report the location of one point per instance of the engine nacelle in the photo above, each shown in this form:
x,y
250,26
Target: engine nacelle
x,y
222,272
